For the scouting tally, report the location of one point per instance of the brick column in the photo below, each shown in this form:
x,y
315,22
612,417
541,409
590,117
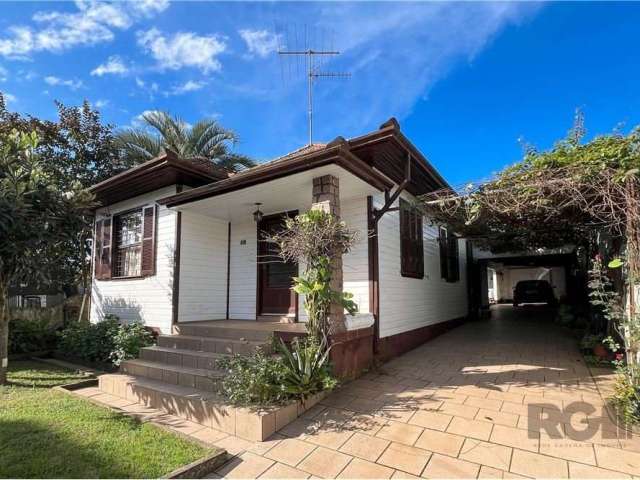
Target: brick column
x,y
326,197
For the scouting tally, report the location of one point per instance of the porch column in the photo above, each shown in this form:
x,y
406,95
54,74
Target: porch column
x,y
326,197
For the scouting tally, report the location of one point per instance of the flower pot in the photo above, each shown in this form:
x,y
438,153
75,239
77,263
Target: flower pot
x,y
600,352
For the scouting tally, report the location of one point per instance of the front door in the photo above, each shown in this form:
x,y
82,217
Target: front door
x,y
275,296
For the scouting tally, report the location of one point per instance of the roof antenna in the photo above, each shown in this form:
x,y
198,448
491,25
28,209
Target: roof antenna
x,y
313,70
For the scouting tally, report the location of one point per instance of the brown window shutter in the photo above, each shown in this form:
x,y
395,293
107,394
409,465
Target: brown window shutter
x,y
419,245
148,241
444,257
454,265
97,249
105,251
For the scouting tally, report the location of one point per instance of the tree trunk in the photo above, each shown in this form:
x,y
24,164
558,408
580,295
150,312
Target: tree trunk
x,y
4,332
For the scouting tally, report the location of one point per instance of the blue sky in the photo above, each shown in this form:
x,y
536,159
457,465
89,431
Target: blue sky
x,y
467,81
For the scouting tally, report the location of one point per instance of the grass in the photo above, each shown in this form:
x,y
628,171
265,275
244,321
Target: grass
x,y
49,434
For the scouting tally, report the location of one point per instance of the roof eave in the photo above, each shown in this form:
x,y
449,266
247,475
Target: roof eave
x,y
338,154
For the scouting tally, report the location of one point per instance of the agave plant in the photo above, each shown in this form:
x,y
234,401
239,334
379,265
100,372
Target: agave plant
x,y
307,369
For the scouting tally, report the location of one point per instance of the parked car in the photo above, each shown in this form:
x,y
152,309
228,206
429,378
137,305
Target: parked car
x,y
533,291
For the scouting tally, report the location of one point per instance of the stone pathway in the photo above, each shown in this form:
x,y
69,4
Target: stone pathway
x,y
508,397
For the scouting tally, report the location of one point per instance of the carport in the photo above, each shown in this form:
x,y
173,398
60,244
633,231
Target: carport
x,y
493,276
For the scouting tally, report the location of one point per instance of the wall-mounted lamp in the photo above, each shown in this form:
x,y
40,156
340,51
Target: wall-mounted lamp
x,y
257,215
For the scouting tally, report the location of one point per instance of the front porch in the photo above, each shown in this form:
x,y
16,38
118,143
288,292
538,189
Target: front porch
x,y
220,269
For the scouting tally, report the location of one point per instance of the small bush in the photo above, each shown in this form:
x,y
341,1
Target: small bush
x,y
589,341
128,341
104,342
29,336
259,379
253,379
626,399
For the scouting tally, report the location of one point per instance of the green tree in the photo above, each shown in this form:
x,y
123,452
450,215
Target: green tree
x,y
206,139
76,149
35,218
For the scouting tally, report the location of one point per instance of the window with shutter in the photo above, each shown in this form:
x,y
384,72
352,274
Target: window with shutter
x,y
148,240
444,262
454,264
97,250
449,253
125,244
105,250
411,246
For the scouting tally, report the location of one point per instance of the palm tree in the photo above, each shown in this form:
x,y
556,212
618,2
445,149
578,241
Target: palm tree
x,y
206,139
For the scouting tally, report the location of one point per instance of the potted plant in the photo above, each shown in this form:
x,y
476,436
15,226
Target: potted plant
x,y
592,343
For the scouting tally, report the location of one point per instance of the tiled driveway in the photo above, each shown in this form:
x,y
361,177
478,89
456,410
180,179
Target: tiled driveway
x,y
501,398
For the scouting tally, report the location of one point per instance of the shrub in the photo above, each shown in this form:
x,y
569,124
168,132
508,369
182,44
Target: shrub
x,y
104,342
589,341
307,369
626,398
253,379
260,379
128,341
28,336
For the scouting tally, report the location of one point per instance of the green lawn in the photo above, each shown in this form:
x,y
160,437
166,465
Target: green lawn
x,y
48,434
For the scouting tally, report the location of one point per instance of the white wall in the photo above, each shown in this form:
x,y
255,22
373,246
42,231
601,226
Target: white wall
x,y
243,271
410,303
355,264
203,268
148,299
243,263
508,277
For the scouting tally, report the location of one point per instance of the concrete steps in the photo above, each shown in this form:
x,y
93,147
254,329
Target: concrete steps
x,y
202,379
227,346
187,329
181,358
180,376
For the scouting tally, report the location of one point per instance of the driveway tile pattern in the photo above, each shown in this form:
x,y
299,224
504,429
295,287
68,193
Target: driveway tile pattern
x,y
507,397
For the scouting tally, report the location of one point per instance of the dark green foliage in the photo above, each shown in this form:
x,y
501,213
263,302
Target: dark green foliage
x,y
128,341
26,336
104,342
306,367
256,379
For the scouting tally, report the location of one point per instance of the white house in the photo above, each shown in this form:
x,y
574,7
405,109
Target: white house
x,y
177,242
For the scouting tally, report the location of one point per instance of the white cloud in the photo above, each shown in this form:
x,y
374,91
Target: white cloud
x,y
59,82
8,98
114,65
188,86
4,74
101,103
405,50
183,49
260,42
148,8
93,22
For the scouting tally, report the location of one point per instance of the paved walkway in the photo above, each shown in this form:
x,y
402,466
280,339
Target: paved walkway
x,y
508,397
502,398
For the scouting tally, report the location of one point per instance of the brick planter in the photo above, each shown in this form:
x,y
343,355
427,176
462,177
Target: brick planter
x,y
210,410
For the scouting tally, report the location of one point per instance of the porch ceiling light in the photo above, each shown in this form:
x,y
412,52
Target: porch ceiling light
x,y
257,215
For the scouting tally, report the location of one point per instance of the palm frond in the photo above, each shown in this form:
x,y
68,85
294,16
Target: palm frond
x,y
205,139
138,145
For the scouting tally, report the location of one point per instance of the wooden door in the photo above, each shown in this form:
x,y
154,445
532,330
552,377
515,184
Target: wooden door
x,y
275,296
